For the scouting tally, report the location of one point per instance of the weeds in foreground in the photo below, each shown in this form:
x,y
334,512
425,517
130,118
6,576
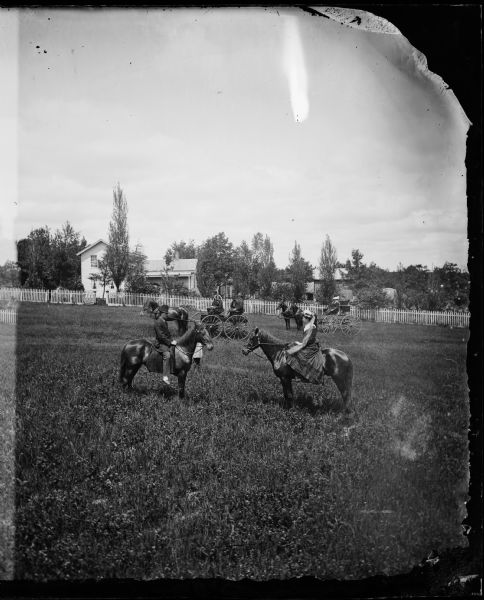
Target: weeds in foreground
x,y
228,484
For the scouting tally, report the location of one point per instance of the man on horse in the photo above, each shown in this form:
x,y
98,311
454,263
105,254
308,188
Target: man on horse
x,y
164,340
217,307
237,306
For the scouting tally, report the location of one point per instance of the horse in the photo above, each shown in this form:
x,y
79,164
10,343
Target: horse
x,y
179,314
337,365
136,353
293,312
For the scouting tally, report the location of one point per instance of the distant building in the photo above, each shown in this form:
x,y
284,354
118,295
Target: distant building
x,y
342,285
90,257
183,270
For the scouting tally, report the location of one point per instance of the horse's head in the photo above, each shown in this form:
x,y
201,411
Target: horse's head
x,y
253,342
203,336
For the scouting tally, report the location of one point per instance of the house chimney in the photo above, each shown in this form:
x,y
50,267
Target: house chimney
x,y
177,254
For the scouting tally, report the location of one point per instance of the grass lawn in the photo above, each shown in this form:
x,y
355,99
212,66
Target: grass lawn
x,y
111,484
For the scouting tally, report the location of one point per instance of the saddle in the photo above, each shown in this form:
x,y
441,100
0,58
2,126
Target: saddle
x,y
156,362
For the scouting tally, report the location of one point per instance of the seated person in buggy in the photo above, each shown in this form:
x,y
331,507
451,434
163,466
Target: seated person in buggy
x,y
237,306
164,340
334,307
217,307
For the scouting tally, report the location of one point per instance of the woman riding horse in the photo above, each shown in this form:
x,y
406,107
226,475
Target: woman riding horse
x,y
305,361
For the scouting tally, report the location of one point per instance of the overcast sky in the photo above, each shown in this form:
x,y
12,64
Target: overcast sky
x,y
234,120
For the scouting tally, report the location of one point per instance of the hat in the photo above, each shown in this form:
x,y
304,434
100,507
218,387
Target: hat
x,y
308,314
163,308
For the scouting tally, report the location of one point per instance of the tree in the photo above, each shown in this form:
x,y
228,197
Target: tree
x,y
65,245
104,276
372,296
34,258
9,274
243,279
136,275
266,267
299,272
282,290
215,263
328,263
117,251
180,250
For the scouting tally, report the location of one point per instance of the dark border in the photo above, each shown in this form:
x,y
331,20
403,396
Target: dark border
x,y
450,36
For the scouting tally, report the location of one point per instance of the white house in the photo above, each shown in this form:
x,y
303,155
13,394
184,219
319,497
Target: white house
x,y
90,257
183,269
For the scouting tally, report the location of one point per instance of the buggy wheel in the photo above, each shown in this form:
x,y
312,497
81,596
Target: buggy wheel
x,y
237,327
351,325
327,325
213,324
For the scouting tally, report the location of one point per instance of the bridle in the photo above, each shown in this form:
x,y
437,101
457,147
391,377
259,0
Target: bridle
x,y
203,344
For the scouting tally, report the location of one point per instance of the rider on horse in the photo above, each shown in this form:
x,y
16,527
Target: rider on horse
x,y
237,306
305,357
164,339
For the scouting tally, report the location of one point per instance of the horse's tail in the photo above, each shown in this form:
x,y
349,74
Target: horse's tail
x,y
122,366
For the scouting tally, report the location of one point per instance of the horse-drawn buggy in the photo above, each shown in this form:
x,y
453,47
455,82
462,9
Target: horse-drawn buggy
x,y
338,316
233,326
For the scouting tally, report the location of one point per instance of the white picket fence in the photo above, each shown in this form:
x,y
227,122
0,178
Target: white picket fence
x,y
8,315
197,304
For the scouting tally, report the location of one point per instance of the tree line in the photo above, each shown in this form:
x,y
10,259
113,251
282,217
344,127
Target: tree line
x,y
50,260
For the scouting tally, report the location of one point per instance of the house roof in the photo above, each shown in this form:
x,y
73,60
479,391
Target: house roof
x,y
91,246
179,265
154,265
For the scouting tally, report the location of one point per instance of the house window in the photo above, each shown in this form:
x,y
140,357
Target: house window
x,y
93,260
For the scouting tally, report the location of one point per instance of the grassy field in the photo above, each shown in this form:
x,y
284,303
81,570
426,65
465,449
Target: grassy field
x,y
227,483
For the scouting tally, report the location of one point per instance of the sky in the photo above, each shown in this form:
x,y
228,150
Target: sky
x,y
237,120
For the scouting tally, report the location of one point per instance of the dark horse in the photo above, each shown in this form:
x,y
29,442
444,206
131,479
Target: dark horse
x,y
179,314
142,352
337,365
291,312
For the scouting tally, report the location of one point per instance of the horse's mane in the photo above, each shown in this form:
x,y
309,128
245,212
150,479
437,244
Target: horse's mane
x,y
268,338
187,335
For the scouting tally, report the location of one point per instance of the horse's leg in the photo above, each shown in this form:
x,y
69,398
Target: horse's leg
x,y
288,393
127,375
288,323
182,377
340,369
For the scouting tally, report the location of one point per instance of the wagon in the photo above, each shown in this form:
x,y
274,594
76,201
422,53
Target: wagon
x,y
339,317
236,327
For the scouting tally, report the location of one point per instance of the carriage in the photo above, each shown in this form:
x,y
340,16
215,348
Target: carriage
x,y
338,317
235,327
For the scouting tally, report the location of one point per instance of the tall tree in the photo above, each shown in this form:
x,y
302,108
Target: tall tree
x,y
66,243
180,250
117,251
215,263
299,272
267,270
243,280
328,262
